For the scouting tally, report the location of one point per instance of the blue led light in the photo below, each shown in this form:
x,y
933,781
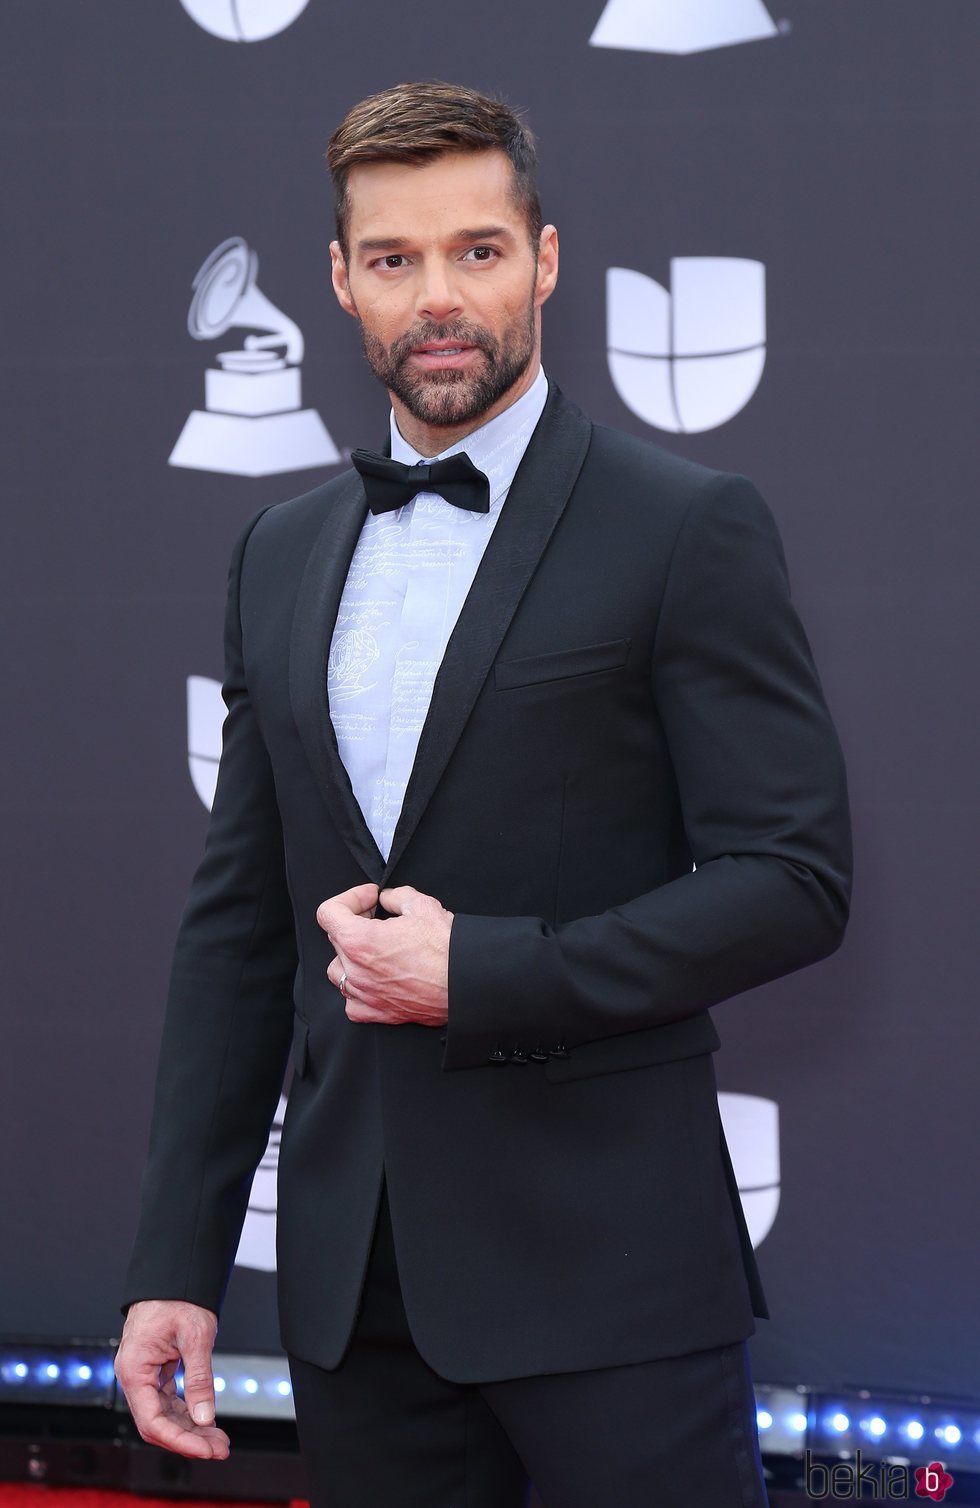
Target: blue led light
x,y
914,1428
951,1433
283,1389
250,1385
876,1426
796,1421
839,1422
763,1418
219,1384
60,1372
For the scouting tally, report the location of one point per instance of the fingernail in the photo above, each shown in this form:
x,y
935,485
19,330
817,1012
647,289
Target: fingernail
x,y
202,1413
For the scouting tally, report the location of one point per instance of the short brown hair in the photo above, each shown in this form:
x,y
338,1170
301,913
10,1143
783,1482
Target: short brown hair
x,y
414,123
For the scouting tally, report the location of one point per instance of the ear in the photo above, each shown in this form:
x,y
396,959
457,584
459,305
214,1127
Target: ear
x,y
547,273
338,276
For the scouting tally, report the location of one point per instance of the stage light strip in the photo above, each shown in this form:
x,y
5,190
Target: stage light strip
x,y
72,1372
247,1386
885,1427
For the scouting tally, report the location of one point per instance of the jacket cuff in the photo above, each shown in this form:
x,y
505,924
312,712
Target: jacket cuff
x,y
505,995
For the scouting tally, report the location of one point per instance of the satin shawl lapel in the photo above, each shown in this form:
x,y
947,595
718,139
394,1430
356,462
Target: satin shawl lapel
x,y
313,623
537,497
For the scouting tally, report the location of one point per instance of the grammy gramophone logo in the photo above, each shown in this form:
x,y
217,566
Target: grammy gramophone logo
x,y
681,26
253,422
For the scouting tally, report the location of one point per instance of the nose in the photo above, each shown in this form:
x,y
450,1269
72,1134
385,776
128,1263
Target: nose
x,y
438,299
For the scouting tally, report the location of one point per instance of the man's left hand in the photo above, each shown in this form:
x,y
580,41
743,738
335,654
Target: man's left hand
x,y
398,967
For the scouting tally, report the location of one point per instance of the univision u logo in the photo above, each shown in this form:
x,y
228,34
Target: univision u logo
x,y
688,358
244,20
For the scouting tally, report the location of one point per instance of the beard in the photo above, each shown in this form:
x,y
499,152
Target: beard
x,y
453,396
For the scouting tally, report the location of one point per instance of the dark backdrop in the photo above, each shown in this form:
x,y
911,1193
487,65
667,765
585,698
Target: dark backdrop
x,y
835,150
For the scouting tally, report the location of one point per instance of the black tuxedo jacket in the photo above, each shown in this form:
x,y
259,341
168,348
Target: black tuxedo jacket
x,y
628,689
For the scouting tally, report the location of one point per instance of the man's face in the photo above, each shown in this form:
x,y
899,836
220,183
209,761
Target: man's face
x,y
445,283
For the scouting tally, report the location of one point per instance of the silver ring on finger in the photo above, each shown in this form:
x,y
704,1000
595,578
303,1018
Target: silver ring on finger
x,y
343,985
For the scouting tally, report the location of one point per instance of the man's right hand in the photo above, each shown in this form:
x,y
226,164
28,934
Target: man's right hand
x,y
157,1336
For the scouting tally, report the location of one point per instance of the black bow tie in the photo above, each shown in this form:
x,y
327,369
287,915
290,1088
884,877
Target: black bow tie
x,y
388,484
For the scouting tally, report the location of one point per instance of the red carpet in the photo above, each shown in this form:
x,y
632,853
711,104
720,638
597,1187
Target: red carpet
x,y
17,1496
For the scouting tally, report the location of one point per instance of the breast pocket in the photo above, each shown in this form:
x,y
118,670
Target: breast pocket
x,y
560,664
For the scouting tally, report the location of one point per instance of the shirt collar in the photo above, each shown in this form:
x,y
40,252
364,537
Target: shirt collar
x,y
497,447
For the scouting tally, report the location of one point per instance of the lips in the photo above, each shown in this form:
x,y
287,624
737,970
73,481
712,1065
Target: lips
x,y
442,355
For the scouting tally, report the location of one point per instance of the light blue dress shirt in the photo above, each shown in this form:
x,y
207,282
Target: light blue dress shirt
x,y
408,579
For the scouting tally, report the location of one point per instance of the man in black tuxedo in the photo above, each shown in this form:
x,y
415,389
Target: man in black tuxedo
x,y
494,828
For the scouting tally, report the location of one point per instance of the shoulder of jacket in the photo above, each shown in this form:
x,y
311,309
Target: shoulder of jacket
x,y
294,522
654,488
308,508
643,462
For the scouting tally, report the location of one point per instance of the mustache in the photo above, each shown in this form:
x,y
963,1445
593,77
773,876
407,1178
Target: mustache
x,y
455,334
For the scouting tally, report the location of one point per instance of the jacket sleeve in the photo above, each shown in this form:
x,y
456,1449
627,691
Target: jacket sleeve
x,y
227,1026
763,797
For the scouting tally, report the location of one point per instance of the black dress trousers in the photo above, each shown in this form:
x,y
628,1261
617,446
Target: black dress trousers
x,y
383,1430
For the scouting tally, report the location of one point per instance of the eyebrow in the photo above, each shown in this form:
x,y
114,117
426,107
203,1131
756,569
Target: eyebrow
x,y
484,233
382,243
481,233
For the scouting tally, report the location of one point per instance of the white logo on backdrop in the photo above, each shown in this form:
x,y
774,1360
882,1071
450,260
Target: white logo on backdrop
x,y
257,1246
244,20
751,1126
252,423
205,715
681,25
688,359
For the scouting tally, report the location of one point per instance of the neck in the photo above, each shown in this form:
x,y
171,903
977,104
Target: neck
x,y
433,439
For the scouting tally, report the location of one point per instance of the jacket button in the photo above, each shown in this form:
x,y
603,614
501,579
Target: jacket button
x,y
539,1055
559,1050
518,1055
497,1056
